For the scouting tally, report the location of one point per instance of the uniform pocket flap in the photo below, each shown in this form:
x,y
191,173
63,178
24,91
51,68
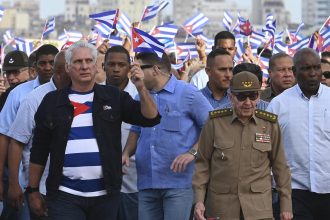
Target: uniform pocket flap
x,y
263,147
224,144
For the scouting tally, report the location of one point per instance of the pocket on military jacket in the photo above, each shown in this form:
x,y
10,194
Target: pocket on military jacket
x,y
259,153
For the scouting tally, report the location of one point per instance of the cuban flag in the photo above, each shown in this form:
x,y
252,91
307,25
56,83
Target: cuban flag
x,y
264,65
115,41
143,42
280,47
240,50
72,36
8,37
227,20
245,27
109,18
180,65
182,50
26,47
298,45
2,11
269,20
49,27
270,28
103,30
196,22
152,10
124,24
166,31
300,26
257,38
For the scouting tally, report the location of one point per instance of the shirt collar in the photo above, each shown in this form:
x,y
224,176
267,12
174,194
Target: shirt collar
x,y
210,94
36,82
171,84
52,84
302,95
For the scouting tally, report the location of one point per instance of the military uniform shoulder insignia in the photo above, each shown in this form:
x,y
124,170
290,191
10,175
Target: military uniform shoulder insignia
x,y
220,113
266,115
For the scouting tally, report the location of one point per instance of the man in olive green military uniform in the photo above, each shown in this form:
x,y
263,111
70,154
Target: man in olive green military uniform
x,y
238,149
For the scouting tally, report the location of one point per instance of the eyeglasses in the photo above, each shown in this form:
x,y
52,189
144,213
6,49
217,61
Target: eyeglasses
x,y
243,96
146,66
326,74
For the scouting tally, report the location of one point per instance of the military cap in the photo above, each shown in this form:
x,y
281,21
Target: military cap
x,y
15,60
244,82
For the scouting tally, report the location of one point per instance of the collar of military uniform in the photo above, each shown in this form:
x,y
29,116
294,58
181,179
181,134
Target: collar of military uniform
x,y
265,115
230,112
220,112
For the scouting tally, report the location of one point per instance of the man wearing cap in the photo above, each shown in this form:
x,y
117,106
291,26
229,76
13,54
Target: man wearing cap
x,y
237,149
44,66
15,67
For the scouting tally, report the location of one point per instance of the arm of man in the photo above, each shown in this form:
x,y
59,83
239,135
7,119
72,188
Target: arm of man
x,y
4,141
36,201
148,106
281,173
199,107
180,163
15,193
130,147
202,172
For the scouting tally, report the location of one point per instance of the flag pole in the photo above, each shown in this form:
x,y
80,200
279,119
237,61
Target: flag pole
x,y
42,35
266,45
324,24
140,23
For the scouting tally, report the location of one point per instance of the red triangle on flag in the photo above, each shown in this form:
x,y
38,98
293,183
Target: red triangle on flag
x,y
79,108
189,28
155,31
137,39
179,50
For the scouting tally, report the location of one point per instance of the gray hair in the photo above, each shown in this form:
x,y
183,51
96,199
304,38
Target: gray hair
x,y
80,44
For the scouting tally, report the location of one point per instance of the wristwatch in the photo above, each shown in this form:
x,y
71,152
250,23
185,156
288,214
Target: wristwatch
x,y
30,189
193,152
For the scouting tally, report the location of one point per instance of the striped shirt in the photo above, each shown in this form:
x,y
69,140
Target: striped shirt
x,y
82,171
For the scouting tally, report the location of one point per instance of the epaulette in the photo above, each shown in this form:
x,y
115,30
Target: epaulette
x,y
220,112
266,115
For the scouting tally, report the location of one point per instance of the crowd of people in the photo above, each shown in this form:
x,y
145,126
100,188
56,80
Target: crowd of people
x,y
87,133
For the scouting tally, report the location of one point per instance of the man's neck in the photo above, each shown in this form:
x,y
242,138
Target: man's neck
x,y
161,82
217,93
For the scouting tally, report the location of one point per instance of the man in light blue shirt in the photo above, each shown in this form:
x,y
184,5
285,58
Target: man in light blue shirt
x,y
21,131
44,66
165,153
304,117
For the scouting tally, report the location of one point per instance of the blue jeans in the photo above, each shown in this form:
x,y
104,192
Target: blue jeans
x,y
128,209
165,204
65,206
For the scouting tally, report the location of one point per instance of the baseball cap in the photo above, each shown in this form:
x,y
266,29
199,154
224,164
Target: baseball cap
x,y
245,82
15,60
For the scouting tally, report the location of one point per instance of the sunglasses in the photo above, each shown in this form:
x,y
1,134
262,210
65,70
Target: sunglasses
x,y
326,74
146,66
243,96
